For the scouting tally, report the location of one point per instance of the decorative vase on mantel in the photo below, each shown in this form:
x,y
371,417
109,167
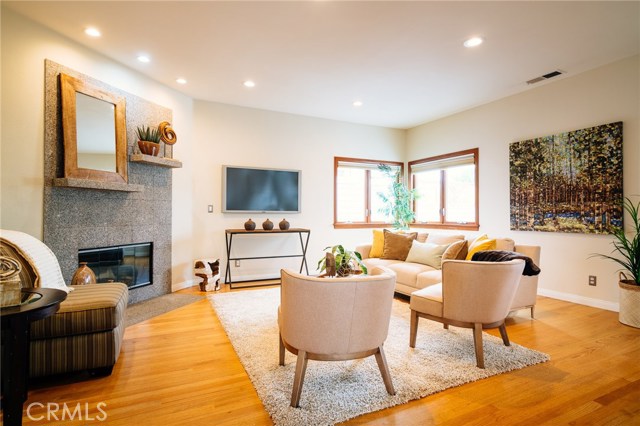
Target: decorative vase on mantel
x,y
83,275
149,148
267,225
249,225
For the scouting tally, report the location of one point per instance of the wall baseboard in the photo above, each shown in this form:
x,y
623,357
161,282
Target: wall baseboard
x,y
183,284
581,300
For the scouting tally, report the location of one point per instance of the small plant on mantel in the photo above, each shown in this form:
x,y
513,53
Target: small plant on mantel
x,y
149,140
346,262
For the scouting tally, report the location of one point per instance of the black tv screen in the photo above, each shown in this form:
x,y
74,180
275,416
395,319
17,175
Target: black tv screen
x,y
260,190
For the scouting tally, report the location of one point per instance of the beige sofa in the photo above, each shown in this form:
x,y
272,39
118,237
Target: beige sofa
x,y
415,276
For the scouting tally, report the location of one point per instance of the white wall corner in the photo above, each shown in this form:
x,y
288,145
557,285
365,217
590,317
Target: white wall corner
x,y
581,300
182,285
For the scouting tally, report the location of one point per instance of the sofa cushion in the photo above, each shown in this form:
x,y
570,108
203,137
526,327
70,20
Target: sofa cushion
x,y
455,251
407,272
427,300
427,278
376,261
427,254
397,246
444,238
481,243
89,308
506,244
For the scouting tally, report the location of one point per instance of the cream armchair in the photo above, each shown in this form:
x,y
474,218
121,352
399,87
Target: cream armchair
x,y
334,319
474,295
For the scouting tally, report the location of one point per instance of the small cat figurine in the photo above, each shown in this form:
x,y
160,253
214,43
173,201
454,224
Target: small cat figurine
x,y
214,284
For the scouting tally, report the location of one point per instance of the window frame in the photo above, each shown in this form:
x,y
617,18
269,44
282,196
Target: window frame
x,y
443,224
367,223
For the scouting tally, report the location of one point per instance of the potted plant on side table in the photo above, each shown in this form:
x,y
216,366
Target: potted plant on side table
x,y
346,262
627,244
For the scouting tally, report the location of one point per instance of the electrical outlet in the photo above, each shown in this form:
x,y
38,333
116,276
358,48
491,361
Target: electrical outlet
x,y
238,264
210,208
592,280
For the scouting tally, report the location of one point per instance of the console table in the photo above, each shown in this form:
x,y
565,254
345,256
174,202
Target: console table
x,y
229,233
38,303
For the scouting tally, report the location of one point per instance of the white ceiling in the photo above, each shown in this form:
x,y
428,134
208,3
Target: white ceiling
x,y
404,60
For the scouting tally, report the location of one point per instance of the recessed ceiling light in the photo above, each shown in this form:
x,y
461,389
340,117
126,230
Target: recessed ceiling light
x,y
181,81
249,83
92,32
144,58
357,104
473,42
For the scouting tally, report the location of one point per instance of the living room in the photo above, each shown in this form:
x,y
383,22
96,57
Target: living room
x,y
213,134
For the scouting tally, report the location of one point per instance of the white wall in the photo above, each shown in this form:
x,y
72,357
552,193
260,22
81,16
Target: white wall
x,y
604,95
25,45
230,135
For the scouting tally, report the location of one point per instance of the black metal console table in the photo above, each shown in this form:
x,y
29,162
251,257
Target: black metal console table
x,y
229,233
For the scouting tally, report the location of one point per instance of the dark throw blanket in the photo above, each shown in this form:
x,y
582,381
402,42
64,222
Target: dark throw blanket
x,y
530,268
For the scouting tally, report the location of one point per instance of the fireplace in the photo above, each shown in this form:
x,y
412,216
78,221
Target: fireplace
x,y
131,264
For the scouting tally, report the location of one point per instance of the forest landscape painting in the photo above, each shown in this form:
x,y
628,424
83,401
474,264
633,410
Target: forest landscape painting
x,y
568,182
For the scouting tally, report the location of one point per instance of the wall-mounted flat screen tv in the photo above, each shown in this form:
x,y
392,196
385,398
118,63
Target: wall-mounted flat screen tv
x,y
260,190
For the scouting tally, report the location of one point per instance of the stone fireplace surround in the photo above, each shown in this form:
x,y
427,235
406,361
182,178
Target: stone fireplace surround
x,y
78,218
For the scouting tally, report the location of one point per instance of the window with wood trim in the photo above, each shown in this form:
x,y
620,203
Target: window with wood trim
x,y
447,187
357,183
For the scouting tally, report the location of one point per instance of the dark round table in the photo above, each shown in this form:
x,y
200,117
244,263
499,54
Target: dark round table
x,y
38,303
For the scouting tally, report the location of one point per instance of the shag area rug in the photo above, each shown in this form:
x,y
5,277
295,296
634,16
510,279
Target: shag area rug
x,y
339,390
146,309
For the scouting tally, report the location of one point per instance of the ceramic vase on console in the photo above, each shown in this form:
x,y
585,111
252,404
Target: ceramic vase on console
x,y
83,275
249,225
267,225
284,224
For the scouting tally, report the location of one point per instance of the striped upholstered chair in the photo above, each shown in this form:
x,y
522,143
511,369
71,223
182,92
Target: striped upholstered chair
x,y
86,333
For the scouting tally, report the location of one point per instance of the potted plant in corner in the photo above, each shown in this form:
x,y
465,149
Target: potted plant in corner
x,y
149,140
398,201
627,244
346,262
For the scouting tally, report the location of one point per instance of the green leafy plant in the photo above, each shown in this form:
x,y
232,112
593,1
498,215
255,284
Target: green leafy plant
x,y
399,201
628,244
148,134
346,261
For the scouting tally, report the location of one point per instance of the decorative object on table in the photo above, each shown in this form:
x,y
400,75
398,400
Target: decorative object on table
x,y
628,246
568,182
330,265
267,225
10,284
83,275
346,262
209,271
249,225
398,200
169,137
284,224
148,141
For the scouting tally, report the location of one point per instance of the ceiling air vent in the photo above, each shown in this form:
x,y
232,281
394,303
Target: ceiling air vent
x,y
545,77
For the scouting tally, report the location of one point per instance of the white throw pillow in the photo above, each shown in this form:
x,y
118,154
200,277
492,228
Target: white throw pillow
x,y
427,254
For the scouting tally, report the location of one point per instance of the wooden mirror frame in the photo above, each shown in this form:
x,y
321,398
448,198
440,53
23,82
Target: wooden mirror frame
x,y
68,88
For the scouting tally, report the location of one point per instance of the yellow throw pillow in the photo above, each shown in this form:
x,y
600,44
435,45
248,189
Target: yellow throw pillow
x,y
378,243
479,244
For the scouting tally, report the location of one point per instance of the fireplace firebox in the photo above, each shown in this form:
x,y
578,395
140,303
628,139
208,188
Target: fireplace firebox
x,y
131,264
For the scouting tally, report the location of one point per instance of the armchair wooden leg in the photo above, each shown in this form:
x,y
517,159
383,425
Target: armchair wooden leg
x,y
281,350
298,380
413,330
477,342
445,325
384,370
503,334
532,310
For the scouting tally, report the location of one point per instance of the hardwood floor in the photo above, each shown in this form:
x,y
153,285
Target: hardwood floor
x,y
180,369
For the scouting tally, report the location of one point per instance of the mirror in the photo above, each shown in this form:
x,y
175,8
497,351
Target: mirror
x,y
94,129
